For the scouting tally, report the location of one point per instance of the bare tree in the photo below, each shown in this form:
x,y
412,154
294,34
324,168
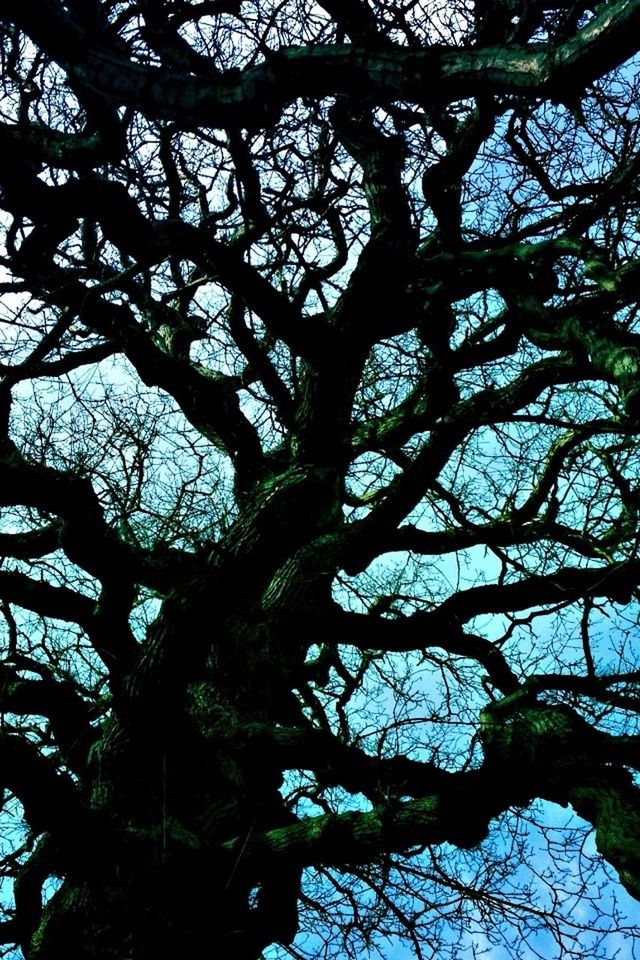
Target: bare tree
x,y
319,474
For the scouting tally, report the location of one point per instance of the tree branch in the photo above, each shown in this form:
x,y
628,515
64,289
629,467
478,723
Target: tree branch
x,y
421,631
50,799
256,95
57,700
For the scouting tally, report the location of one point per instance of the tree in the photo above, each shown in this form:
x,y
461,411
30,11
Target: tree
x,y
318,465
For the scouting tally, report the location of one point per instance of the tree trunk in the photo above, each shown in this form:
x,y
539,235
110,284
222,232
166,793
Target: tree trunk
x,y
179,770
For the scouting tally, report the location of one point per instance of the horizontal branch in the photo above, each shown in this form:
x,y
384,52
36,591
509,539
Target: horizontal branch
x,y
421,631
566,585
498,533
65,363
59,702
337,763
540,751
50,799
47,600
105,621
32,544
256,96
83,533
81,151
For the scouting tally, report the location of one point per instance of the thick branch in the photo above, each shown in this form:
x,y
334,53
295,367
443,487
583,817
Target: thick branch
x,y
499,533
83,534
616,581
50,799
421,631
35,543
256,95
46,600
543,751
57,700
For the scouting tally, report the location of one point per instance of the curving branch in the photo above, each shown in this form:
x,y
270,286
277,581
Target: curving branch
x,y
421,631
545,751
57,700
256,96
51,800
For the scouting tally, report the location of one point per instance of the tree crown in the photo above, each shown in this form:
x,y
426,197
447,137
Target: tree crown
x,y
319,407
